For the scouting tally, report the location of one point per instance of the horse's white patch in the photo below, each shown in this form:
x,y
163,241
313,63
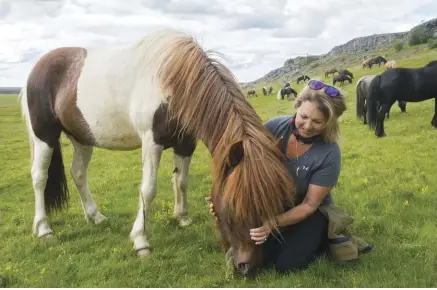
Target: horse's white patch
x,y
116,97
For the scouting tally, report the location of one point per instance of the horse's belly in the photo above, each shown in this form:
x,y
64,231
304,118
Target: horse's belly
x,y
109,123
113,131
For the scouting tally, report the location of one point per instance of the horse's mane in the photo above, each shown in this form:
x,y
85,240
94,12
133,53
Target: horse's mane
x,y
204,96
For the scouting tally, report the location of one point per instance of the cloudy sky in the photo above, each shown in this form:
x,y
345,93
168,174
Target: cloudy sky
x,y
256,36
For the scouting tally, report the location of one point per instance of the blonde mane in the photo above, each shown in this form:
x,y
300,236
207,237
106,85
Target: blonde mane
x,y
205,97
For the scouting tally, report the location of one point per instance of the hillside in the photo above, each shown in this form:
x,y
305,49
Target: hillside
x,y
9,90
349,52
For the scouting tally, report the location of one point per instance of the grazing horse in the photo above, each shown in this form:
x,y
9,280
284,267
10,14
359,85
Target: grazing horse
x,y
346,72
402,84
286,91
162,92
362,89
252,93
270,90
374,60
302,78
330,71
390,64
341,79
378,60
264,91
366,63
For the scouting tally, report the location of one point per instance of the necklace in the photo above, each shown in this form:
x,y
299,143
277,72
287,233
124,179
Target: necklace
x,y
297,158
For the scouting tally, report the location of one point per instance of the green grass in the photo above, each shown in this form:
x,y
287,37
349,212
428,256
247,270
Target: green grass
x,y
389,185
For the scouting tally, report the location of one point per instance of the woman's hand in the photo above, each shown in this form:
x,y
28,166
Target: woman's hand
x,y
260,235
211,206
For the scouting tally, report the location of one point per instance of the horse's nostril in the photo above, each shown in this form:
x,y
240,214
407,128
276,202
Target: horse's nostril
x,y
243,268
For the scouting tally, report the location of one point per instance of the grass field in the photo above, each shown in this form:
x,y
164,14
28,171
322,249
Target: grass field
x,y
389,185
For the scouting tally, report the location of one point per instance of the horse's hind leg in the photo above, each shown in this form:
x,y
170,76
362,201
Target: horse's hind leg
x,y
151,154
182,160
79,171
42,155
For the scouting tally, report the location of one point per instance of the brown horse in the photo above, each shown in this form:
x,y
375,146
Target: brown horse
x,y
365,63
374,60
330,71
163,91
252,93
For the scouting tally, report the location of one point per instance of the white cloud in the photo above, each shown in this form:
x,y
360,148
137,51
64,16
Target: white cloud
x,y
255,36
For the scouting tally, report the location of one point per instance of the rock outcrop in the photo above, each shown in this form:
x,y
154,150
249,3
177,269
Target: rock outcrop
x,y
300,64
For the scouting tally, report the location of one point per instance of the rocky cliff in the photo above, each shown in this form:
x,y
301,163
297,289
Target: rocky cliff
x,y
298,65
366,43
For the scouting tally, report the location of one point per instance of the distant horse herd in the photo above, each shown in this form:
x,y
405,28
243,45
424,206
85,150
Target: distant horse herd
x,y
376,94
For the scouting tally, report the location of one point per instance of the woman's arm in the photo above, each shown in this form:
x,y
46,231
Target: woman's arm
x,y
309,205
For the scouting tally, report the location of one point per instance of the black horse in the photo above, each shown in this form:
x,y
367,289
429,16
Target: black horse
x,y
402,84
302,78
341,79
270,90
378,60
432,63
264,91
346,72
287,91
361,98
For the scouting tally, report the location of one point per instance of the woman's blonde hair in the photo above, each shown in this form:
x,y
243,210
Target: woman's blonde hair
x,y
331,107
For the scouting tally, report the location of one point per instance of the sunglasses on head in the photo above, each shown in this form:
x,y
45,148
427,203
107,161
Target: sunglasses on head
x,y
329,90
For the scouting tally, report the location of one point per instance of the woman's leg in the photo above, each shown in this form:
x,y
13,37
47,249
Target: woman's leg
x,y
304,241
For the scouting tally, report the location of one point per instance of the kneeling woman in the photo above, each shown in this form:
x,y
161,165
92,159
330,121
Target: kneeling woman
x,y
313,158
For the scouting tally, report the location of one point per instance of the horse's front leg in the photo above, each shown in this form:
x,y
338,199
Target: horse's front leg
x,y
180,185
379,130
151,154
434,119
182,159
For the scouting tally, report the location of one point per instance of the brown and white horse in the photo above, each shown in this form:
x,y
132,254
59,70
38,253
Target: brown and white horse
x,y
163,91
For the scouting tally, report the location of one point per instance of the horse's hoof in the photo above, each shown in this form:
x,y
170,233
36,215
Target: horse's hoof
x,y
185,222
143,253
49,239
99,218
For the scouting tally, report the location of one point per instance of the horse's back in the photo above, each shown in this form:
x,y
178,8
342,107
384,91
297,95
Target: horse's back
x,y
409,84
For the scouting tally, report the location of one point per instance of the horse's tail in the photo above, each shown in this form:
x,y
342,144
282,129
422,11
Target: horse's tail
x,y
372,101
56,189
278,96
361,98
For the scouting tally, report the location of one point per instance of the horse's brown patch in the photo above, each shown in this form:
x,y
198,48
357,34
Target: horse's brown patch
x,y
52,95
168,134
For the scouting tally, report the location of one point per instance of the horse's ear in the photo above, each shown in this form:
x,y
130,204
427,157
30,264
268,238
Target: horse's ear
x,y
236,153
